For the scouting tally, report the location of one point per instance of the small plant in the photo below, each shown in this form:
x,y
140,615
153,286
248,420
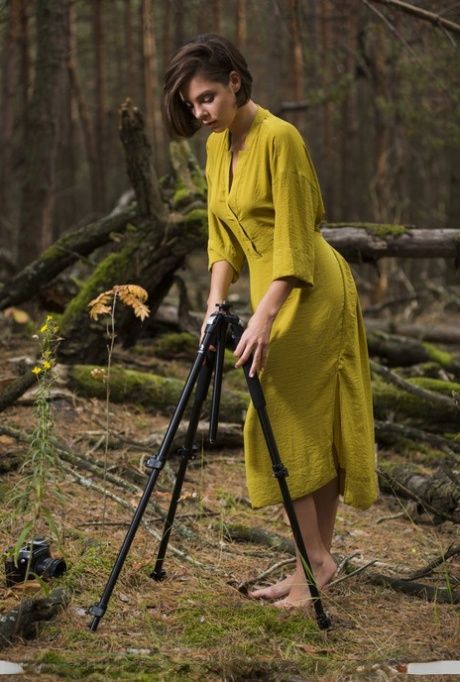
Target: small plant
x,y
37,487
105,304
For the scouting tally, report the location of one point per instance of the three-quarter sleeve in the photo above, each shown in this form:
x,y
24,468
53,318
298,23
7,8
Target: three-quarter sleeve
x,y
297,203
222,244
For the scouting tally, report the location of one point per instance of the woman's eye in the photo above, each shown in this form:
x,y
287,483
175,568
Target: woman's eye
x,y
208,98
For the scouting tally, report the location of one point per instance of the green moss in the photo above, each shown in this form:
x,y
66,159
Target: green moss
x,y
437,385
175,344
181,197
196,215
104,277
127,386
442,357
147,389
376,229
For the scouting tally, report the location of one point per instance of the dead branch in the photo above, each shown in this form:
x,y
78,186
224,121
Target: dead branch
x,y
420,13
428,396
65,251
441,595
452,551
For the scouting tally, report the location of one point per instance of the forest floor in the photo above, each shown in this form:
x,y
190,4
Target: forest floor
x,y
196,625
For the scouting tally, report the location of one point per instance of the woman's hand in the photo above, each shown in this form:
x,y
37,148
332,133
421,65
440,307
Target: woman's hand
x,y
256,336
255,341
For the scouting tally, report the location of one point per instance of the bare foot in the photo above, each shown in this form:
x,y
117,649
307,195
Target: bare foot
x,y
299,595
280,589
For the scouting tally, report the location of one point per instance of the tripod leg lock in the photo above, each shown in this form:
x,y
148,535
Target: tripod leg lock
x,y
188,453
96,611
154,462
280,471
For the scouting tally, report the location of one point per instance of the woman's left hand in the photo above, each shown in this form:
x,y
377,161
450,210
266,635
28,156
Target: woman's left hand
x,y
254,341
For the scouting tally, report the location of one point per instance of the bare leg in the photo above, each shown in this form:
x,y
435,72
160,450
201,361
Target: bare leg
x,y
316,516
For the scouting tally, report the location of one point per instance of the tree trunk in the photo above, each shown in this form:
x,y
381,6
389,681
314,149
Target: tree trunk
x,y
99,97
42,134
154,126
241,25
10,59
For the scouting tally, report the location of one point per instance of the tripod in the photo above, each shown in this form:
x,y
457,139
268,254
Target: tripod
x,y
222,326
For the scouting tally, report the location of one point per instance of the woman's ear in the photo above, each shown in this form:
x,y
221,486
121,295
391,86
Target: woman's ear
x,y
235,81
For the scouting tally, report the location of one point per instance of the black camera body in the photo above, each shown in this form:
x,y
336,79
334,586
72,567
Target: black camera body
x,y
34,559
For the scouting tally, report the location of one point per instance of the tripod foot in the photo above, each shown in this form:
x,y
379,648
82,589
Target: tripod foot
x,y
97,612
323,620
158,574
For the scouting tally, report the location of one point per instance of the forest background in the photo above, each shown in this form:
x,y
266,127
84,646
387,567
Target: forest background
x,y
375,91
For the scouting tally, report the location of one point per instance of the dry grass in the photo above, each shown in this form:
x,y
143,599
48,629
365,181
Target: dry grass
x,y
195,625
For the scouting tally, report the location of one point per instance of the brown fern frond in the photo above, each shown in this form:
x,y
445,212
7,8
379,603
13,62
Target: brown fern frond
x,y
134,296
101,304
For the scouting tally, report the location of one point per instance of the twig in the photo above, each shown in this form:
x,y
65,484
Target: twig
x,y
354,572
243,587
390,517
422,572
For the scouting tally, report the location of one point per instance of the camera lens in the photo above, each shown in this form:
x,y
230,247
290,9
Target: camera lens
x,y
50,568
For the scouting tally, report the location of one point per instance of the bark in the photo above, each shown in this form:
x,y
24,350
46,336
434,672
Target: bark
x,y
152,109
360,242
99,97
437,494
10,78
25,620
16,389
85,122
241,25
42,132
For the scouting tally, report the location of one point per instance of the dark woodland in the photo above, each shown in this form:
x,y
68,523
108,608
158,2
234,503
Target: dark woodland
x,y
103,285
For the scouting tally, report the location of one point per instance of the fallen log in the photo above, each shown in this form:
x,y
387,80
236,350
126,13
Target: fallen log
x,y
16,389
394,404
154,392
446,334
438,494
368,242
64,252
402,351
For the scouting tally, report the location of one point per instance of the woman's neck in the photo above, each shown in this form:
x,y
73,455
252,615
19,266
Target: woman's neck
x,y
241,124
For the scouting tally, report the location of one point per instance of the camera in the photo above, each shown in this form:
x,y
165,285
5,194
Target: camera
x,y
34,559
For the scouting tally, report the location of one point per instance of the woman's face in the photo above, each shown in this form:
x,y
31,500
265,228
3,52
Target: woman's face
x,y
212,103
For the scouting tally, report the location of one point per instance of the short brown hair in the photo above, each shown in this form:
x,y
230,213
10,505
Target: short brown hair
x,y
211,55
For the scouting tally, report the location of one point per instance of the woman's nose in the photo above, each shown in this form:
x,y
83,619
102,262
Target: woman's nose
x,y
199,111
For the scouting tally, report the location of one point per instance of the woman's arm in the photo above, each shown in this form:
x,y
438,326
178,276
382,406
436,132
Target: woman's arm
x,y
257,334
222,275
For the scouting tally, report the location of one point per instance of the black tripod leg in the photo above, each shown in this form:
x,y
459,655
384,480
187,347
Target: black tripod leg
x,y
187,453
280,472
155,463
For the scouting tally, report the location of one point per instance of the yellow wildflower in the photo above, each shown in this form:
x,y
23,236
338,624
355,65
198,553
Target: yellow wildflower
x,y
37,370
44,328
46,364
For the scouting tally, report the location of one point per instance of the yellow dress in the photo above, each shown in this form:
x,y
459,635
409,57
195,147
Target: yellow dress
x,y
316,380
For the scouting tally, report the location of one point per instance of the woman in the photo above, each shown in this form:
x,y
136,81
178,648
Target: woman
x,y
306,333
